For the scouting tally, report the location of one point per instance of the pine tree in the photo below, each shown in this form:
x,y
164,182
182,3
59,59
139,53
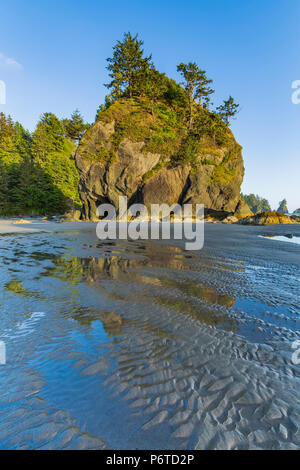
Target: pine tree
x,y
283,207
196,85
48,136
75,127
7,129
228,110
126,63
23,140
53,155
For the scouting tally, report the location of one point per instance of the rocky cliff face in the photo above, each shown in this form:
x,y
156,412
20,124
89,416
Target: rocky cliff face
x,y
129,152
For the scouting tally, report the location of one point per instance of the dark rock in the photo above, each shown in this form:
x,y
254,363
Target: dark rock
x,y
148,177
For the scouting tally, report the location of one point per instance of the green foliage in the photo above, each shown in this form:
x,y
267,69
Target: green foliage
x,y
256,203
121,130
175,95
49,136
196,85
283,207
188,152
222,174
209,125
228,110
208,128
101,154
75,126
149,174
160,132
164,132
7,130
108,101
133,75
37,172
152,84
126,65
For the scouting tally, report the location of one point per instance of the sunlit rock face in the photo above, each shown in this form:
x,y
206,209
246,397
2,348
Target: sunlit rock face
x,y
128,152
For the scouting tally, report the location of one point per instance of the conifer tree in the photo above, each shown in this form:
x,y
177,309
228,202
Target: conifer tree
x,y
48,136
283,207
124,67
228,110
196,85
75,126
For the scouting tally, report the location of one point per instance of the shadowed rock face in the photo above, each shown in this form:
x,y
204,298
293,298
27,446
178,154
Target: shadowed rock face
x,y
108,171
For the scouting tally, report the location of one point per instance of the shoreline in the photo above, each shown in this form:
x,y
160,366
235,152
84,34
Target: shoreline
x,y
10,226
34,225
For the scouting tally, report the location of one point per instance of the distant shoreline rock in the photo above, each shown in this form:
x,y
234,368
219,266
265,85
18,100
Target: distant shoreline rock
x,y
268,218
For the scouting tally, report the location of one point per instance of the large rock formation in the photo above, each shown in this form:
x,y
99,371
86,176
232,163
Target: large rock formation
x,y
129,152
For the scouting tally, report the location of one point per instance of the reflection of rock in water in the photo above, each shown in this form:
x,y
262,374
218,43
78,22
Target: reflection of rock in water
x,y
114,267
179,295
137,347
16,287
206,293
188,307
112,322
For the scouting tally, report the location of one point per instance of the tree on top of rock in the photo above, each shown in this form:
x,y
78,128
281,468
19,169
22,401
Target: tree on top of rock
x,y
256,203
196,85
228,110
283,207
125,65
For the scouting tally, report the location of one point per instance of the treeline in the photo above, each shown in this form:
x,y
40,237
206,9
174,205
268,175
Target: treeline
x,y
37,170
258,204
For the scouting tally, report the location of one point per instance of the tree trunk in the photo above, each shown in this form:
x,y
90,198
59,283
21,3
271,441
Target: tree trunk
x,y
191,110
130,86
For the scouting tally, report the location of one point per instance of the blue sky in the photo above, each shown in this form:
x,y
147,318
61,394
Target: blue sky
x,y
52,58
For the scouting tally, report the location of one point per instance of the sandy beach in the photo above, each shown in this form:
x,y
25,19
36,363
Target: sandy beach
x,y
30,225
157,347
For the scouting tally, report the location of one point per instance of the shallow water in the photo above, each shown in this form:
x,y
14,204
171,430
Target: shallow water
x,y
141,344
284,238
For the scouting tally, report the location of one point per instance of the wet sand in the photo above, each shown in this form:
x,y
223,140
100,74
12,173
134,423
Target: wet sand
x,y
38,225
143,345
